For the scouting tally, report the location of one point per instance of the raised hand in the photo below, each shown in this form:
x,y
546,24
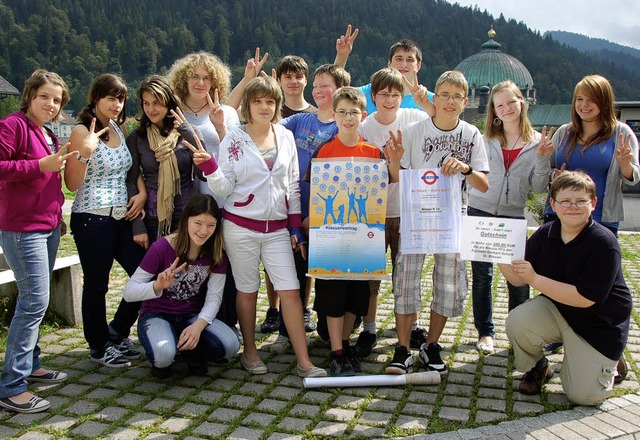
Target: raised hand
x,y
165,278
56,162
91,140
420,93
200,155
178,117
255,64
624,151
545,147
558,171
344,44
393,150
216,115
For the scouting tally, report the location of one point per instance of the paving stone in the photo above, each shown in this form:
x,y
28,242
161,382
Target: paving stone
x,y
527,408
175,424
224,415
82,407
110,414
240,402
305,410
178,392
492,430
283,436
459,390
489,417
618,422
602,427
35,435
26,419
258,419
563,432
160,436
584,430
375,418
462,402
544,434
93,378
285,393
143,419
245,433
73,389
130,399
6,431
383,405
271,406
340,414
370,432
159,404
125,434
417,409
293,424
409,422
101,393
492,393
192,409
422,397
90,429
454,414
348,401
210,429
252,389
329,429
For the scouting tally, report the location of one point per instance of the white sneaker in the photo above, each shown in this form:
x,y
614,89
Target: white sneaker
x,y
281,345
485,345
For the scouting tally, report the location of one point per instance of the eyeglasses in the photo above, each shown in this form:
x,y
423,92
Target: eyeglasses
x,y
353,113
385,95
447,96
579,204
198,78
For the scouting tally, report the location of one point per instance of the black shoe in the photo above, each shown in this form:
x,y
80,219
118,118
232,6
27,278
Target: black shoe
x,y
532,382
353,360
125,346
340,366
161,373
357,322
402,361
34,405
364,344
271,322
418,337
111,358
430,357
195,362
309,325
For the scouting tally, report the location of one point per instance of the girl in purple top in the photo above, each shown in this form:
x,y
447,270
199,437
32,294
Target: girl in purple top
x,y
30,227
180,282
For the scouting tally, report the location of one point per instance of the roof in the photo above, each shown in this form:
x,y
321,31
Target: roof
x,y
550,115
6,88
491,66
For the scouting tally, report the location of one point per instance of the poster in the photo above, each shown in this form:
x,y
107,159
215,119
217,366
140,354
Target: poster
x,y
347,212
430,211
493,239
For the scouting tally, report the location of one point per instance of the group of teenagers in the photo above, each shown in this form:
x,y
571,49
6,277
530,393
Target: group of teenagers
x,y
213,184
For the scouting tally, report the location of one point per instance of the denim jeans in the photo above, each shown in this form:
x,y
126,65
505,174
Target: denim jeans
x,y
159,334
482,286
31,256
100,240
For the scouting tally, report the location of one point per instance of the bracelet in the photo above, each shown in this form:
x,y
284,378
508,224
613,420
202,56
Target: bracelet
x,y
468,172
84,160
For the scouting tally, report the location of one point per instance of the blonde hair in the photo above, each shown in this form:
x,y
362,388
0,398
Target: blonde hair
x,y
261,87
453,77
599,90
496,131
351,94
182,71
37,79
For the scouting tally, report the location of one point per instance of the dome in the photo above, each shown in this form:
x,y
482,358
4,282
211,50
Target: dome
x,y
491,66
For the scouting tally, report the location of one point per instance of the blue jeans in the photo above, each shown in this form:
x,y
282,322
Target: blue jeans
x,y
100,240
482,286
31,256
159,334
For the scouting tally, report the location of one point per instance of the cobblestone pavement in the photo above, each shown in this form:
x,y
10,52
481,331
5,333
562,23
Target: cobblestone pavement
x,y
478,398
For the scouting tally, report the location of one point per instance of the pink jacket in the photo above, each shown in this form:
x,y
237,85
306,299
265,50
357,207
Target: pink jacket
x,y
30,200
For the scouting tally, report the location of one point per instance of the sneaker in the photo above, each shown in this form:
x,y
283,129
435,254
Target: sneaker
x,y
531,383
418,337
126,348
364,344
271,322
51,377
340,366
34,405
551,348
310,372
402,361
309,325
111,358
353,360
430,357
282,344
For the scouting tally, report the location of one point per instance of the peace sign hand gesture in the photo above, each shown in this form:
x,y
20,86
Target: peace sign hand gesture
x,y
623,153
255,64
200,155
91,140
420,94
165,278
393,149
56,162
545,147
344,44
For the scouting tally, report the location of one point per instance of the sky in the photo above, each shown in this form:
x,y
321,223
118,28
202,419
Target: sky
x,y
614,20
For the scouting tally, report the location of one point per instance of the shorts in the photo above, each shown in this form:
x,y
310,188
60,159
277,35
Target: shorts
x,y
336,297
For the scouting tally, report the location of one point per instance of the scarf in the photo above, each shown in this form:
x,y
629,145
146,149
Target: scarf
x,y
168,175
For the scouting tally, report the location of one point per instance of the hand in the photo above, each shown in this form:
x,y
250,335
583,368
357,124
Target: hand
x,y
200,155
419,92
142,240
623,153
91,140
190,336
216,115
165,278
255,64
56,162
393,150
524,270
178,117
558,171
344,44
545,147
136,207
452,166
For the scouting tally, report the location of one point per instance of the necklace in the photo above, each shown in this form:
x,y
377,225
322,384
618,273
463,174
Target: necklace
x,y
195,112
509,154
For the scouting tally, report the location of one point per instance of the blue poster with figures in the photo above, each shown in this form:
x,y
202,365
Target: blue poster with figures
x,y
347,211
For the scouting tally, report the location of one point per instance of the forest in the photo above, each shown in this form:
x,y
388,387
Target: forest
x,y
82,38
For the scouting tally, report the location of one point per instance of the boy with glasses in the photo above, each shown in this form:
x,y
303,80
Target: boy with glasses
x,y
584,301
455,146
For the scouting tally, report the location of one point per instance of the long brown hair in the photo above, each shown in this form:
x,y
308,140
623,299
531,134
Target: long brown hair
x,y
212,248
598,89
160,88
496,131
105,84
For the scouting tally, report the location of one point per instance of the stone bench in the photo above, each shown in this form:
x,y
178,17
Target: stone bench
x,y
66,289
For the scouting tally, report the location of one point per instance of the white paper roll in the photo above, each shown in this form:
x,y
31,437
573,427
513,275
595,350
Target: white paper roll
x,y
423,378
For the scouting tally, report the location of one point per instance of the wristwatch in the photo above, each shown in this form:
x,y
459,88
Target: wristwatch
x,y
84,160
468,172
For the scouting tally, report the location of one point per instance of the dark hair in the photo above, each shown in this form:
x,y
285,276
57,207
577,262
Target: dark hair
x,y
341,77
408,46
351,94
212,248
386,78
261,87
35,81
105,84
292,63
575,180
161,90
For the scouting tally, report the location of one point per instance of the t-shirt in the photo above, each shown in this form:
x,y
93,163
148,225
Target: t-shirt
x,y
309,133
377,134
591,262
335,148
286,111
407,100
426,146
